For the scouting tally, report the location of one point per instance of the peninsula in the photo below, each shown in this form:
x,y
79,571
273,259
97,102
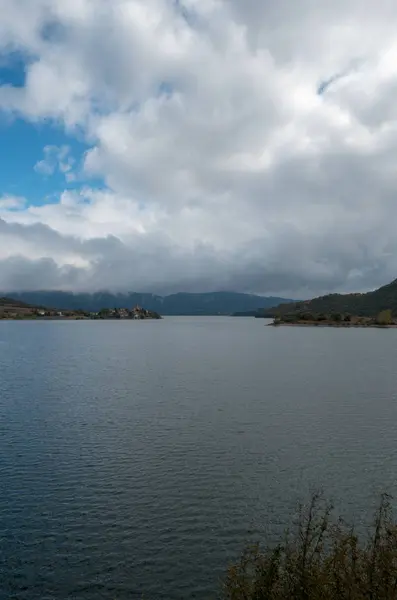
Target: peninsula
x,y
369,305
11,309
305,319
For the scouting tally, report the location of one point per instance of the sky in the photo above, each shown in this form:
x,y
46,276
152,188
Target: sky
x,y
198,145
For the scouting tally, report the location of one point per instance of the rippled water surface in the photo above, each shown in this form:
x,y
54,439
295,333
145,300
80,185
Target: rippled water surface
x,y
139,456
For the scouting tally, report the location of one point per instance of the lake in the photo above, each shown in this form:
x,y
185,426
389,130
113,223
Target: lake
x,y
139,457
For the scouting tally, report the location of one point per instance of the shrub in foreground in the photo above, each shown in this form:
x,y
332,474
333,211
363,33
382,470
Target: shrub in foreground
x,y
321,559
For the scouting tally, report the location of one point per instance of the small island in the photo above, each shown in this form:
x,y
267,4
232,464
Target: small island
x,y
308,319
14,310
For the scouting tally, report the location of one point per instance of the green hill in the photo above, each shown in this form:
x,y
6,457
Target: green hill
x,y
15,308
368,304
10,302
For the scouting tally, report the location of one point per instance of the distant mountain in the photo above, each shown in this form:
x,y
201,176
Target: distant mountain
x,y
9,307
216,303
9,303
368,304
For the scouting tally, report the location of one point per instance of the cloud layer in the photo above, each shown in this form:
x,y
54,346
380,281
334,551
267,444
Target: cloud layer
x,y
242,145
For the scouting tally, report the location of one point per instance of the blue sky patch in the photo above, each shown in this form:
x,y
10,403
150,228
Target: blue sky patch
x,y
21,148
13,68
23,143
324,85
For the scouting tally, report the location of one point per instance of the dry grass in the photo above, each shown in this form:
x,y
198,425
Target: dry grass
x,y
321,559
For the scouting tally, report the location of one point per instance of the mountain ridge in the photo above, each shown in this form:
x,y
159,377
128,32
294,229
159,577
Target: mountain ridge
x,y
181,303
6,301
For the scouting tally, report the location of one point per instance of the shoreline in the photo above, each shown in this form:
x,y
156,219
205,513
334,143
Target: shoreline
x,y
76,319
335,325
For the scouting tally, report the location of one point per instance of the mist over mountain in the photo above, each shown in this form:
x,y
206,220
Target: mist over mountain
x,y
216,303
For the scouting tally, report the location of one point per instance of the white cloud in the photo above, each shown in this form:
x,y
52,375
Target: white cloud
x,y
223,166
55,158
8,203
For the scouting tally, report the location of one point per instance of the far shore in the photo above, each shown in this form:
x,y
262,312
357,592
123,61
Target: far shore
x,y
51,319
74,319
14,312
336,325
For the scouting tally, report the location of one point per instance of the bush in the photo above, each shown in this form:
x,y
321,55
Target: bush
x,y
337,317
321,560
306,316
289,318
384,317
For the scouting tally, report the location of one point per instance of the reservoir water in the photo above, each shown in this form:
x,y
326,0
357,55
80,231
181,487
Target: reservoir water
x,y
139,457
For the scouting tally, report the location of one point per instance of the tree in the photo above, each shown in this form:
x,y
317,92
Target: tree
x,y
306,316
384,317
337,317
289,318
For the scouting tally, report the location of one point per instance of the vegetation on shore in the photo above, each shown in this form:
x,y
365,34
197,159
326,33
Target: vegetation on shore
x,y
383,319
125,313
369,304
321,559
16,310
